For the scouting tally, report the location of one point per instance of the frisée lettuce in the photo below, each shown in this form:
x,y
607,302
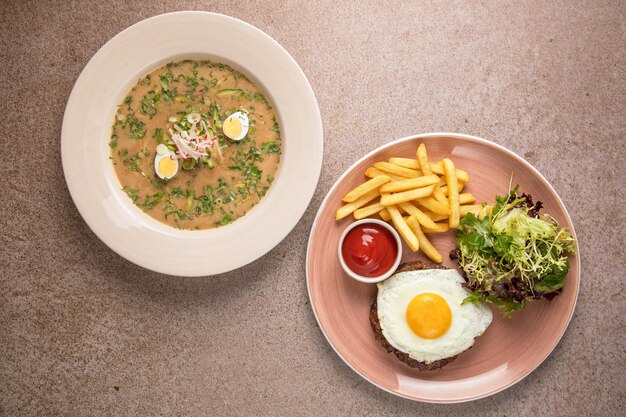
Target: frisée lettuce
x,y
513,254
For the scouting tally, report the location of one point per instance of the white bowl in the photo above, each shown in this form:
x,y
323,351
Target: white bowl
x,y
103,84
370,280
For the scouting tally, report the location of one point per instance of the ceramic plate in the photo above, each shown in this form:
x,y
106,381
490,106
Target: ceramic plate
x,y
103,84
510,348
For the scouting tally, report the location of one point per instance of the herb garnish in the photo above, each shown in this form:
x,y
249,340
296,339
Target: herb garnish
x,y
113,140
136,126
270,147
132,193
149,103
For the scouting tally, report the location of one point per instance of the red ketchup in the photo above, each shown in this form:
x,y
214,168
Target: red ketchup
x,y
369,250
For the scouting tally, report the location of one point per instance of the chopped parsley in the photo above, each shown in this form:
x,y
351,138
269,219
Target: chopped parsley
x,y
151,200
137,127
113,140
132,193
225,220
270,147
149,103
158,134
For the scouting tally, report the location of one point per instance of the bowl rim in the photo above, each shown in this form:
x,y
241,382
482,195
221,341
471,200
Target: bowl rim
x,y
361,278
98,220
481,141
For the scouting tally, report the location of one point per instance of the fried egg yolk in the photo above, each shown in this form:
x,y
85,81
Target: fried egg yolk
x,y
167,167
428,315
232,127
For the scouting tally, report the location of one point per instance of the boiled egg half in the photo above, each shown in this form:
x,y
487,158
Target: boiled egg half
x,y
165,162
236,126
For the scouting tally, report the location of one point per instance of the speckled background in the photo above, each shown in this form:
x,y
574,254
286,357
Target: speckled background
x,y
84,332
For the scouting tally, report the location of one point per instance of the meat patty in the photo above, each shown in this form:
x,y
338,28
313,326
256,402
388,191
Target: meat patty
x,y
378,332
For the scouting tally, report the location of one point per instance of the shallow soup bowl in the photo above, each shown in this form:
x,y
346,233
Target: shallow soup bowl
x,y
91,177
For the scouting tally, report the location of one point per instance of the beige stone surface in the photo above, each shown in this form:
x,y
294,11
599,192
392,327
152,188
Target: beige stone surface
x,y
84,332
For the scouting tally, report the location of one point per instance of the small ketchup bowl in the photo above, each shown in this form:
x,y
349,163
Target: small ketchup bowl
x,y
370,250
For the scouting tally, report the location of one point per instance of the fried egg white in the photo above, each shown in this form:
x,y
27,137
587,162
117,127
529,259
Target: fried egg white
x,y
421,314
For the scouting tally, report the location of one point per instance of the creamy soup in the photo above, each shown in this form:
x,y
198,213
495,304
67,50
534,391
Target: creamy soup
x,y
195,144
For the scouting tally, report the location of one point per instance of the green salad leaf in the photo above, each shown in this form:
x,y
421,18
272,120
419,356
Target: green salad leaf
x,y
513,254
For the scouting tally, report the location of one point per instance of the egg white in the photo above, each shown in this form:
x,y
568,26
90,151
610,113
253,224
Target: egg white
x,y
468,321
244,122
164,152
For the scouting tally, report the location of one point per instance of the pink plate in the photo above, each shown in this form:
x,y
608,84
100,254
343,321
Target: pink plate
x,y
509,350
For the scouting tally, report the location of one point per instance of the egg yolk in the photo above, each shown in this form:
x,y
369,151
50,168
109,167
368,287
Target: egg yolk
x,y
428,315
232,127
167,167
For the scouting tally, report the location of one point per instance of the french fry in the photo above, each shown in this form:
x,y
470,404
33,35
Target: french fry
x,y
453,192
439,228
429,250
435,216
439,196
418,214
474,208
372,172
488,210
365,188
396,170
444,188
422,158
367,211
437,168
405,163
347,209
404,229
384,214
434,205
466,198
398,207
409,184
397,198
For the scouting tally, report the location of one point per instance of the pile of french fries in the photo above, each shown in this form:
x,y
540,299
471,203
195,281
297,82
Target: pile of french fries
x,y
418,196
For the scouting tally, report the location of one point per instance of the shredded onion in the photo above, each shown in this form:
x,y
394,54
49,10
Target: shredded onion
x,y
192,144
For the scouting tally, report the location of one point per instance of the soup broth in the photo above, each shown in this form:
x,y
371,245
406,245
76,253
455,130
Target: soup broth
x,y
195,144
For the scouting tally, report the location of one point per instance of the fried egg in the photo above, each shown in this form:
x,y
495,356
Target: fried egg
x,y
421,313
